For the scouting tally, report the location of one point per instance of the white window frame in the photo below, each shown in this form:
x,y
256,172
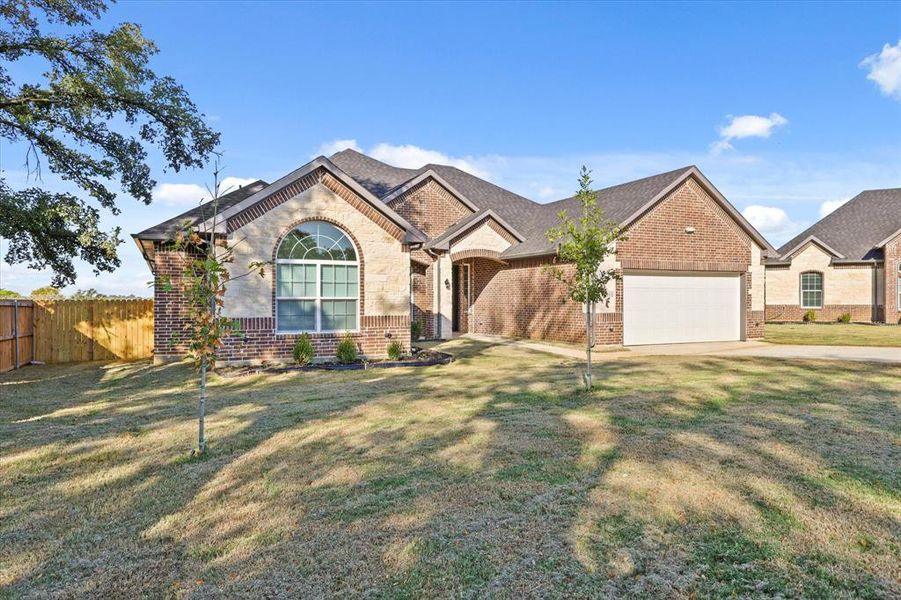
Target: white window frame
x,y
822,290
319,297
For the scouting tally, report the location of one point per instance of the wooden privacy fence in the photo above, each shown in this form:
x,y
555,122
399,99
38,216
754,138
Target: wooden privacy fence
x,y
16,333
58,331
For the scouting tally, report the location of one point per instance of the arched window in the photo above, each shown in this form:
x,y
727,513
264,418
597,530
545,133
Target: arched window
x,y
812,289
317,280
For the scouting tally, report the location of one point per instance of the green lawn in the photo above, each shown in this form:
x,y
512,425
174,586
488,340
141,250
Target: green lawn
x,y
833,334
492,476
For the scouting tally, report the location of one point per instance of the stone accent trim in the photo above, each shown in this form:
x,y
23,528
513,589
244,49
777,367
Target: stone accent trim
x,y
477,253
322,176
642,264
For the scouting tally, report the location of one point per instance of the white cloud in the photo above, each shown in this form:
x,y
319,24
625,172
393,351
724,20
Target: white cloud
x,y
746,126
771,221
830,205
174,194
329,148
885,69
405,156
230,184
408,156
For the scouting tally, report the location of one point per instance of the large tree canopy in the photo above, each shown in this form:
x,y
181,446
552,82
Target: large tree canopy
x,y
91,116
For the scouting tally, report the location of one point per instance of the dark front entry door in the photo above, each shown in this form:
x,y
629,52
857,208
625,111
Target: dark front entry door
x,y
461,296
456,296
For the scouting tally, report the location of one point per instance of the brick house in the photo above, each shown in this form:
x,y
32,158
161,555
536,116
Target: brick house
x,y
360,246
848,262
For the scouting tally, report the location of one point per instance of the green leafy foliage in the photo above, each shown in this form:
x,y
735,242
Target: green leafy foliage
x,y
88,294
416,330
845,318
395,350
346,352
583,244
9,294
47,292
303,349
91,116
810,316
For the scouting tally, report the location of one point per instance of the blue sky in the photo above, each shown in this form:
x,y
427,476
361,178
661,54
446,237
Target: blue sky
x,y
789,109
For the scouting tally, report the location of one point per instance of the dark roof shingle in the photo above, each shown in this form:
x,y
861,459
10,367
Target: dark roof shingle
x,y
529,218
193,216
855,228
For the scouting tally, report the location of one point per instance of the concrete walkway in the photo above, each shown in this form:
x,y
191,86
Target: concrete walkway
x,y
751,348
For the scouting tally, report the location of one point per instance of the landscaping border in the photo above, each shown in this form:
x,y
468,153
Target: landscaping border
x,y
443,358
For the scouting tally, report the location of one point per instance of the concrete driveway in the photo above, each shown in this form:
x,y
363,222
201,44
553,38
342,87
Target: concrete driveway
x,y
755,348
752,348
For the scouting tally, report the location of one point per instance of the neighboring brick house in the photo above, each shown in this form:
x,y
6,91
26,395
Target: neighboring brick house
x,y
848,262
360,246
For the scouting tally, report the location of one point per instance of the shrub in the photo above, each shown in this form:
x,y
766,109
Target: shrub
x,y
347,350
395,350
416,330
810,316
845,318
303,349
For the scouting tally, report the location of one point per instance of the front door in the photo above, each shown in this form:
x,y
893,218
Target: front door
x,y
461,294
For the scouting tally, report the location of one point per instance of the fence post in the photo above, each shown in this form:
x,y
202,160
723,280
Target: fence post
x,y
91,330
16,330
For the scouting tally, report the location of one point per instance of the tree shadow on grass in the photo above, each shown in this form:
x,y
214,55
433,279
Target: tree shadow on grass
x,y
495,475
87,470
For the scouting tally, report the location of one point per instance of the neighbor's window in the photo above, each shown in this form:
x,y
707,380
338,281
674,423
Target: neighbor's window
x,y
317,280
812,290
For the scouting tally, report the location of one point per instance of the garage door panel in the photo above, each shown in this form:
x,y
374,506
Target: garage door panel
x,y
661,309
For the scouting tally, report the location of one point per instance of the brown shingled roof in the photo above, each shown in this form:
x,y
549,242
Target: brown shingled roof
x,y
857,227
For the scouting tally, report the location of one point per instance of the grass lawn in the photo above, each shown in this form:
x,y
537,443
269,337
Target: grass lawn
x,y
833,334
492,476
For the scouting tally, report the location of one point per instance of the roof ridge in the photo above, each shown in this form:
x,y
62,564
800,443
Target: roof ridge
x,y
625,183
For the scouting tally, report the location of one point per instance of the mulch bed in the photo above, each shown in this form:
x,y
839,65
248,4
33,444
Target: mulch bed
x,y
420,358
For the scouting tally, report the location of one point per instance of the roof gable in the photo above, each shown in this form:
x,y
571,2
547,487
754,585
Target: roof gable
x,y
858,229
401,189
198,214
812,239
288,183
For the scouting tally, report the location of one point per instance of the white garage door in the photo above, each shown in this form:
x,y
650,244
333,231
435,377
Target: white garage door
x,y
668,309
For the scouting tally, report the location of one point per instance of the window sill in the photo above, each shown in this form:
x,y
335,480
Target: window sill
x,y
319,333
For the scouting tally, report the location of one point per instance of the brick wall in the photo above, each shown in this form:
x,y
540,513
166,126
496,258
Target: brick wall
x,y
658,241
430,207
423,296
259,341
755,320
170,310
892,261
523,300
860,313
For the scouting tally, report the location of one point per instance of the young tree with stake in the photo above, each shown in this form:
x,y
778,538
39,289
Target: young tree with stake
x,y
203,283
582,245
